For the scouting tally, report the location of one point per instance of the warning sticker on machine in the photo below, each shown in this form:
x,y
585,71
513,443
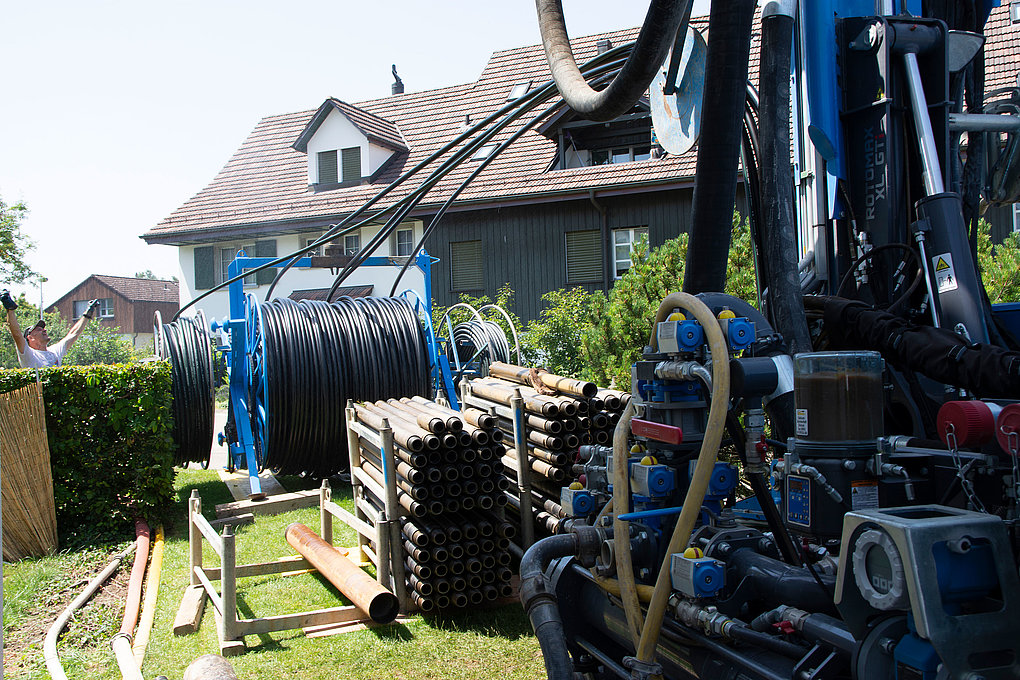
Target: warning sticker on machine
x,y
802,430
863,494
945,274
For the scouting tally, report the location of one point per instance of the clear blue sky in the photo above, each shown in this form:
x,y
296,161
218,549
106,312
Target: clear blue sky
x,y
116,112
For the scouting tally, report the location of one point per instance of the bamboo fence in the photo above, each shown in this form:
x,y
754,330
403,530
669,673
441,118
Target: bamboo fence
x,y
26,480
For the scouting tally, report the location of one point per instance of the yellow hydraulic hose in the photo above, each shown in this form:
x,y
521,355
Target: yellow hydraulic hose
x,y
614,587
151,592
702,470
621,528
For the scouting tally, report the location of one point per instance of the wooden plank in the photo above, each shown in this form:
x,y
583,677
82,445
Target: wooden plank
x,y
321,617
238,520
228,647
215,540
189,614
271,505
350,627
210,590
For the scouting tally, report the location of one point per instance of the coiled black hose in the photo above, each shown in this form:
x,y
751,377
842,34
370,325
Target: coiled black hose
x,y
312,357
185,344
483,341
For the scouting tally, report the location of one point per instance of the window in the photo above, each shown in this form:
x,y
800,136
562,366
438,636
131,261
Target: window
x,y
327,167
584,256
227,256
79,308
466,265
352,244
315,252
519,90
405,242
484,152
350,159
1016,217
106,308
624,241
620,155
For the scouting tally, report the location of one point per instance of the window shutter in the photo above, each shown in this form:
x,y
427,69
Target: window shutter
x,y
265,248
466,265
205,268
584,256
351,162
327,167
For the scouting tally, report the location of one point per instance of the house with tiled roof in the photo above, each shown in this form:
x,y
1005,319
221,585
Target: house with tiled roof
x,y
126,304
562,206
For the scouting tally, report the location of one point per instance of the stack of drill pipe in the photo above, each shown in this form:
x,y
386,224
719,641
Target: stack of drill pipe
x,y
448,468
556,425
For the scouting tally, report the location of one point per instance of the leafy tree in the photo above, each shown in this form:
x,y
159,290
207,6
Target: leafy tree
x,y
14,245
554,338
999,264
147,274
98,344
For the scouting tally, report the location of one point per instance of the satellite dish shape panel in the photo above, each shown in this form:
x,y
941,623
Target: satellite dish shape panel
x,y
676,118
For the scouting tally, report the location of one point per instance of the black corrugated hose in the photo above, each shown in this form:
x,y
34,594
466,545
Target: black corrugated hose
x,y
778,226
185,344
729,27
471,336
316,356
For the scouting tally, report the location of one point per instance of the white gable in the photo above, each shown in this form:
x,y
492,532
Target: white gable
x,y
337,132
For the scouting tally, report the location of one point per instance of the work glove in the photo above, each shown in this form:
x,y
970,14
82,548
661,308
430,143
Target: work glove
x,y
7,300
92,305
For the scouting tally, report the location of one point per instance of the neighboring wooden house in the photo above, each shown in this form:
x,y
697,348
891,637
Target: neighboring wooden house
x,y
562,206
126,305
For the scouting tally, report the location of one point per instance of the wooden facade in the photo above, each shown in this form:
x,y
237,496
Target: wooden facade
x,y
130,316
525,246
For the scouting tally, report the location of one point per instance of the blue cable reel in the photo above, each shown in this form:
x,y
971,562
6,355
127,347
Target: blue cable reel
x,y
258,384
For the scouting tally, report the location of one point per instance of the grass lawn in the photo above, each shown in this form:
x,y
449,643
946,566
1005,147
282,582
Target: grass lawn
x,y
480,644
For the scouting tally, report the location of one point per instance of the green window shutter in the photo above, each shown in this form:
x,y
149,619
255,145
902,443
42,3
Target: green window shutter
x,y
350,160
327,167
466,265
584,257
265,248
205,267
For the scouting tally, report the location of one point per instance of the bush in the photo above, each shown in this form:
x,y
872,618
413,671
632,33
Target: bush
x,y
999,264
111,450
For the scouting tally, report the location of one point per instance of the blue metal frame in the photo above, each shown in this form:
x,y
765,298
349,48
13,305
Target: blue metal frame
x,y
244,326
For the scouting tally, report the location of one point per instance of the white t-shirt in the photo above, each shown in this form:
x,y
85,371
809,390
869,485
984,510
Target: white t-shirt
x,y
33,358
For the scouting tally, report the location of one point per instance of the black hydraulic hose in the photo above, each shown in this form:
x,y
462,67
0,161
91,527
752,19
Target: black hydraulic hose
x,y
662,22
773,644
314,357
719,149
760,486
779,230
539,600
185,344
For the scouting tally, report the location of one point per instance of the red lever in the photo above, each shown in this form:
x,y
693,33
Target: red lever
x,y
667,434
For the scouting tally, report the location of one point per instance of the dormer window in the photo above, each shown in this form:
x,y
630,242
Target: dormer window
x,y
346,145
582,143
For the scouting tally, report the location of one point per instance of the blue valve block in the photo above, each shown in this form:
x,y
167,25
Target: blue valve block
x,y
652,481
697,576
739,334
576,502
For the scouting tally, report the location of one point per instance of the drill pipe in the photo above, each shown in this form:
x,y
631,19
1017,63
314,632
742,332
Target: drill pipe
x,y
453,422
411,424
538,467
415,491
422,571
502,395
551,457
424,604
411,440
370,597
473,416
433,424
520,374
416,508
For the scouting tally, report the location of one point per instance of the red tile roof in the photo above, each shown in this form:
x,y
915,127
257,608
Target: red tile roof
x,y
142,290
266,181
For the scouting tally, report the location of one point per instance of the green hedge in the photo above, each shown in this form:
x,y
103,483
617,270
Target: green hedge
x,y
111,447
